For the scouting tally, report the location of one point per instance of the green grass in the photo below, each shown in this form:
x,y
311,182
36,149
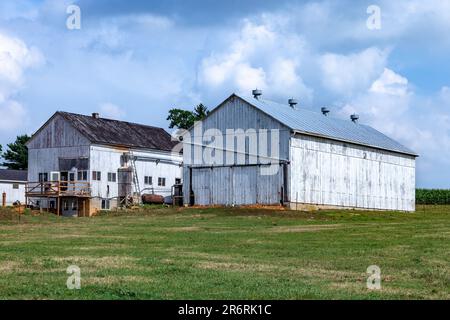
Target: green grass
x,y
227,253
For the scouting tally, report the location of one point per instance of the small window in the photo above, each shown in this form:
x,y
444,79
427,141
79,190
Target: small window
x,y
15,186
66,205
82,175
43,177
162,182
177,181
105,204
96,175
148,180
74,205
111,177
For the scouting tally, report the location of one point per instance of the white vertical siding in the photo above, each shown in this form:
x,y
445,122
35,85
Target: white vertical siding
x,y
326,172
12,195
227,185
108,159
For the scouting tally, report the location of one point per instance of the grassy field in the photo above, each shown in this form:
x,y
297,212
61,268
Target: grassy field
x,y
226,253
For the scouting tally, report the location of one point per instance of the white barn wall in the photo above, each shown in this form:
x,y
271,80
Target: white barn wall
x,y
235,185
12,195
326,172
108,159
58,139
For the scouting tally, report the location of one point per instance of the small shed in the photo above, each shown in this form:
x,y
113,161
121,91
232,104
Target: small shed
x,y
12,186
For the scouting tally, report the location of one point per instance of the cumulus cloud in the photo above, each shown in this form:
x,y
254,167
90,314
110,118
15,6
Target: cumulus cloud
x,y
390,83
110,110
347,74
258,57
15,58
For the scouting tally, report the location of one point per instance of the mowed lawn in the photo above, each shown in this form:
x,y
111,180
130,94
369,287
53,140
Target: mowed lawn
x,y
227,253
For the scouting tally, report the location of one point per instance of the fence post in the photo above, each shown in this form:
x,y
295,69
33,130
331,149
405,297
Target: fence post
x,y
4,199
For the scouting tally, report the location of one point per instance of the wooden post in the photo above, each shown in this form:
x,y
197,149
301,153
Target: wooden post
x,y
58,206
4,199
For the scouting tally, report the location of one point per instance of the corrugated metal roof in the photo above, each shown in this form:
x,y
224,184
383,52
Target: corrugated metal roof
x,y
13,175
120,133
315,123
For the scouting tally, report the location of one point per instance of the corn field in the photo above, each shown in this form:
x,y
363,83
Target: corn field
x,y
432,196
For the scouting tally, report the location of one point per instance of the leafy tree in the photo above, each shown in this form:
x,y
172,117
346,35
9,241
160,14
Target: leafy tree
x,y
185,119
17,154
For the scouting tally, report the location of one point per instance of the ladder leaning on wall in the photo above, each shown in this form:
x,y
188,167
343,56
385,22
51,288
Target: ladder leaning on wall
x,y
137,188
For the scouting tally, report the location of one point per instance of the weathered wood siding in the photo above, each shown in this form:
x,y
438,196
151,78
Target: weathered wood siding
x,y
58,139
108,159
12,195
234,184
325,172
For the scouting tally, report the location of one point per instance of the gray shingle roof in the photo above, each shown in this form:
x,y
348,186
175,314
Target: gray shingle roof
x,y
120,133
13,175
315,123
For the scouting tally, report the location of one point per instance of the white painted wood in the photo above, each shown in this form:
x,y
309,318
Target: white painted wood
x,y
58,139
330,173
12,195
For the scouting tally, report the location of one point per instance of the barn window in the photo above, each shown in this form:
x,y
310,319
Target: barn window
x,y
162,182
43,176
177,181
111,177
148,180
96,175
74,205
82,175
66,205
105,204
15,186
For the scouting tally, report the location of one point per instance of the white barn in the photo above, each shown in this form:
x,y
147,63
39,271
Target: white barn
x,y
79,164
322,161
12,186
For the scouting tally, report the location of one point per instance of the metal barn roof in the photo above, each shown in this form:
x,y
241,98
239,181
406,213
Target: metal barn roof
x,y
120,133
315,123
13,175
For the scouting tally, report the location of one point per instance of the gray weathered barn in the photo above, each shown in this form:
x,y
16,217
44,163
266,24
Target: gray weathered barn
x,y
79,164
12,186
322,161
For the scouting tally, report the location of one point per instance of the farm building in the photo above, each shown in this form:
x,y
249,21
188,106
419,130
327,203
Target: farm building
x,y
12,186
293,156
79,164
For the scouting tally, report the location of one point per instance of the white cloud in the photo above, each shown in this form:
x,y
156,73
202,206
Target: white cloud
x,y
15,58
260,56
390,83
13,115
109,110
347,74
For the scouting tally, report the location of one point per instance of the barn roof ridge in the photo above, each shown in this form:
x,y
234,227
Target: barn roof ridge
x,y
315,123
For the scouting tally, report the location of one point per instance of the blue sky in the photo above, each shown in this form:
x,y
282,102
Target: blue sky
x,y
134,60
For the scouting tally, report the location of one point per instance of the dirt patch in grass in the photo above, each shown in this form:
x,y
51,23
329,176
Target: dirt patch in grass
x,y
99,262
181,229
9,266
111,280
304,228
